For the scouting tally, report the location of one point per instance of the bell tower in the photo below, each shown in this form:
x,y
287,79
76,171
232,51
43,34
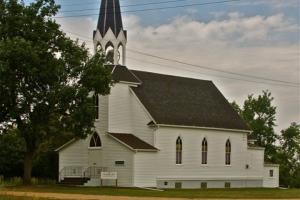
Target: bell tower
x,y
109,35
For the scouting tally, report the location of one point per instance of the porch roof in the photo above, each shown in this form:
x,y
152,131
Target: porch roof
x,y
132,142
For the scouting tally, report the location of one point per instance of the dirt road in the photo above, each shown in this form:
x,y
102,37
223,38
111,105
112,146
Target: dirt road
x,y
89,197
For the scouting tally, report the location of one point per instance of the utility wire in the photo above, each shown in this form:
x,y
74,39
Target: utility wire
x,y
126,6
275,81
160,8
211,69
195,71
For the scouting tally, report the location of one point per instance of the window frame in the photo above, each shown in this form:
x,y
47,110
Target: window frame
x,y
204,152
95,140
227,185
228,153
179,151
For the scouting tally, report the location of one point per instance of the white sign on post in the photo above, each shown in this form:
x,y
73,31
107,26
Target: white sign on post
x,y
109,175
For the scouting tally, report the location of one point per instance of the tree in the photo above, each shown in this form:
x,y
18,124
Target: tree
x,y
289,156
11,154
45,78
259,114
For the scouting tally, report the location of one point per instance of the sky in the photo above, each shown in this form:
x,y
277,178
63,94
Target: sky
x,y
252,37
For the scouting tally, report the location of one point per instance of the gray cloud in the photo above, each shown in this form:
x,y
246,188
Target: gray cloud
x,y
257,45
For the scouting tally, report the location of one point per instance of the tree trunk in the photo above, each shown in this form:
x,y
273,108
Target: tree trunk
x,y
27,167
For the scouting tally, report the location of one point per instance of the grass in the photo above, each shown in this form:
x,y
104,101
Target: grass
x,y
254,193
17,181
5,197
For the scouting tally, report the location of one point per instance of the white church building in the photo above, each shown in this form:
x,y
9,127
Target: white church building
x,y
161,131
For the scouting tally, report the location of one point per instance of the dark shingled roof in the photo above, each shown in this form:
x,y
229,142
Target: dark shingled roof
x,y
133,141
110,17
174,100
122,73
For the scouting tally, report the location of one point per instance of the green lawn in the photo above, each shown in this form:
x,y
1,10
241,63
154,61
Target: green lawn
x,y
4,197
197,193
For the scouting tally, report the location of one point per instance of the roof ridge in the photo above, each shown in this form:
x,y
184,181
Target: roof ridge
x,y
169,75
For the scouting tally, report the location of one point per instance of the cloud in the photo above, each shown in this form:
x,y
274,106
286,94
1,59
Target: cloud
x,y
255,45
235,29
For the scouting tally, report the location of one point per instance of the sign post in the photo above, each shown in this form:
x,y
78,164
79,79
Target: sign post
x,y
109,176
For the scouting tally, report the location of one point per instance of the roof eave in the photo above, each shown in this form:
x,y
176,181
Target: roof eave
x,y
200,127
65,145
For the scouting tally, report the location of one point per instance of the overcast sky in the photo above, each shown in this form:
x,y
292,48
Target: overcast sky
x,y
253,37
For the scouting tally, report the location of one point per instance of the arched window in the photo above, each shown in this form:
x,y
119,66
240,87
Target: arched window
x,y
95,141
109,52
98,47
204,151
228,153
178,151
120,54
96,105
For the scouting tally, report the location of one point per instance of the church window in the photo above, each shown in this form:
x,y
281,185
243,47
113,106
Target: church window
x,y
121,54
95,141
204,151
228,153
98,47
96,105
178,151
271,173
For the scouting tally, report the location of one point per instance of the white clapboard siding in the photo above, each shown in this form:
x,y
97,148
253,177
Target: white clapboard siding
x,y
140,119
76,154
119,118
146,166
101,124
127,115
271,182
192,140
255,159
114,151
150,167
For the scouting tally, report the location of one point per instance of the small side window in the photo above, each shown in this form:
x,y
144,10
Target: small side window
x,y
203,185
165,183
120,163
178,185
271,173
227,185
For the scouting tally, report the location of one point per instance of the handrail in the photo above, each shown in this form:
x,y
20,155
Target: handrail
x,y
71,171
81,172
94,172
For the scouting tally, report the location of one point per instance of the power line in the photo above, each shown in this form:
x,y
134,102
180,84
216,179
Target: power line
x,y
160,8
212,69
275,81
126,6
194,71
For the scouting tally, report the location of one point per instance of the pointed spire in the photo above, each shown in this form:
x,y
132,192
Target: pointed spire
x,y
110,17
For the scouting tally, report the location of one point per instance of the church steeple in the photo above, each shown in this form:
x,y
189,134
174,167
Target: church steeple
x,y
110,17
110,35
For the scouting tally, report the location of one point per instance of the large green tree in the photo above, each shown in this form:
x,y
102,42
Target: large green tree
x,y
259,112
45,78
288,156
11,154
